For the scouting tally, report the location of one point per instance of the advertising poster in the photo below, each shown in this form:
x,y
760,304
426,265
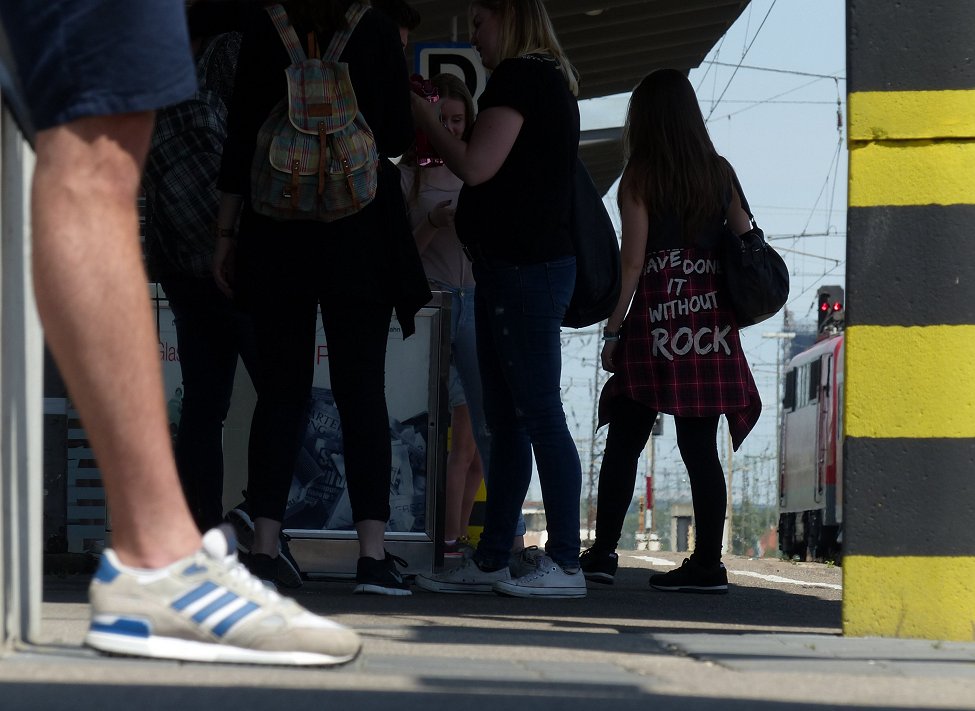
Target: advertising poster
x,y
319,498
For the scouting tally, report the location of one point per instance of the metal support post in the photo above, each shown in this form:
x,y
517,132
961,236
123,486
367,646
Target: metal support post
x,y
21,364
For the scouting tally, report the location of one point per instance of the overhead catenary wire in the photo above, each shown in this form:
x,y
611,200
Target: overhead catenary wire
x,y
774,70
732,77
771,101
839,130
827,233
830,175
835,261
762,102
717,53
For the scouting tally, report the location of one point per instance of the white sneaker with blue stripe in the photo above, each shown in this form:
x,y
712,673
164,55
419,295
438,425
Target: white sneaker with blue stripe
x,y
208,608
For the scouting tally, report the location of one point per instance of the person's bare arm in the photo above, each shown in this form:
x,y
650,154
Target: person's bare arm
x,y
633,249
736,215
492,138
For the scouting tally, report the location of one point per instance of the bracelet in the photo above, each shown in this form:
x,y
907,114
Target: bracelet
x,y
610,335
223,232
433,224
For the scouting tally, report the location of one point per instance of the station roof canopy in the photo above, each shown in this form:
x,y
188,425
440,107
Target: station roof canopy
x,y
613,44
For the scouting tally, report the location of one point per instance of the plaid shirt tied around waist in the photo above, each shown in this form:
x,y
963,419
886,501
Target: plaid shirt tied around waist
x,y
679,349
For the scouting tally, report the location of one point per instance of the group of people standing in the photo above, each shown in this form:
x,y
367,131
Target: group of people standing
x,y
505,352
676,198
492,220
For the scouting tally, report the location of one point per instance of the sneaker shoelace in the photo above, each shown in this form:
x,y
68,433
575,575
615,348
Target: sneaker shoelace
x,y
251,584
540,571
396,559
463,572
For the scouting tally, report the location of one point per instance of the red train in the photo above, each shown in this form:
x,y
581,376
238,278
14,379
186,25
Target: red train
x,y
811,453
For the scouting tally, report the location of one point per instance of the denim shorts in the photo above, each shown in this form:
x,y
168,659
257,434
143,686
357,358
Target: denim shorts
x,y
455,388
81,58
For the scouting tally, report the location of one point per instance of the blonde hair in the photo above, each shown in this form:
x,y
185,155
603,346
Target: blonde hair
x,y
527,29
451,86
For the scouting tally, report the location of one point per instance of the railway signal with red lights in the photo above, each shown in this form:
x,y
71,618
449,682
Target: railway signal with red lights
x,y
830,306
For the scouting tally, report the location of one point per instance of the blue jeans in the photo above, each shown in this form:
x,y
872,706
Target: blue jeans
x,y
463,356
210,334
519,311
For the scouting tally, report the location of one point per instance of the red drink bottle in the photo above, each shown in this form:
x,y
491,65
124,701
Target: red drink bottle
x,y
425,154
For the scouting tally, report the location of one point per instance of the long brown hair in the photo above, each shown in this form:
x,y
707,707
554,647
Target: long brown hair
x,y
671,163
527,29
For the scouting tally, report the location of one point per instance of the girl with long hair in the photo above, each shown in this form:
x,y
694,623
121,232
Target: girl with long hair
x,y
357,270
431,199
513,218
675,349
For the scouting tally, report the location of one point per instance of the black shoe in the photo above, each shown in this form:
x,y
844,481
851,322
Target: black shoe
x,y
287,573
380,577
693,577
262,567
599,567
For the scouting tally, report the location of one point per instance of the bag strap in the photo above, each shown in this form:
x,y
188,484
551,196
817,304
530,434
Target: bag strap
x,y
340,38
287,33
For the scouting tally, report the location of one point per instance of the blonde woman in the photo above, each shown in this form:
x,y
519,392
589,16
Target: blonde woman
x,y
513,218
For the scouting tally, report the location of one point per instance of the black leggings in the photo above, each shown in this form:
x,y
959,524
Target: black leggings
x,y
288,277
630,424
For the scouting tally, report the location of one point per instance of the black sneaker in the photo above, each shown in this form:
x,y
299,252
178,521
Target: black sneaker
x,y
693,577
380,577
261,566
287,574
599,567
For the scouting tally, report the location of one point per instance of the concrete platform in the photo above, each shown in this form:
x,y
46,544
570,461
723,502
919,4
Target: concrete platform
x,y
773,643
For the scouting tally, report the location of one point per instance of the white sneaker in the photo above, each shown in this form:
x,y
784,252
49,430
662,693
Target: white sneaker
x,y
547,580
524,561
208,608
465,578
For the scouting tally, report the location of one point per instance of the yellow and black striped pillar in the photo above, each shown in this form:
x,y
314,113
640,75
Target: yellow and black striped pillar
x,y
909,519
476,526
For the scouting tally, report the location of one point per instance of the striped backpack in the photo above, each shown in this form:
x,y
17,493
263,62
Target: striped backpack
x,y
316,156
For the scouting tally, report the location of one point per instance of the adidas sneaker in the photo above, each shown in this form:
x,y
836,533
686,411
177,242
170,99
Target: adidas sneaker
x,y
208,608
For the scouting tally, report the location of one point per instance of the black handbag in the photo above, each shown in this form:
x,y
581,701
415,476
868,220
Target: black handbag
x,y
597,250
756,275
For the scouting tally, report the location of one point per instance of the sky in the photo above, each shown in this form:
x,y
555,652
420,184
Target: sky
x,y
769,91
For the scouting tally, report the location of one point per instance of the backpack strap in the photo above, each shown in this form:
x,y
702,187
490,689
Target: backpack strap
x,y
341,37
287,33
